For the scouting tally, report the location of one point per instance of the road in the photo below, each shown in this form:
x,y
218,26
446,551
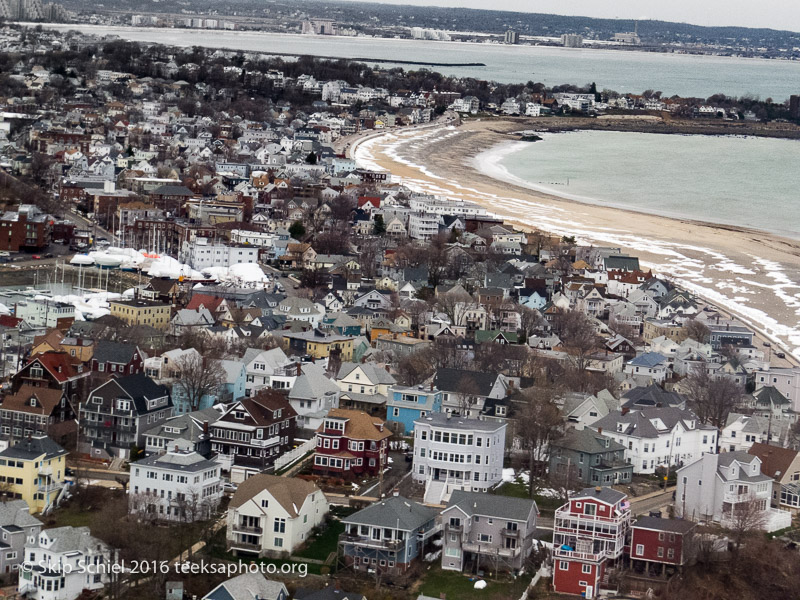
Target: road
x,y
84,223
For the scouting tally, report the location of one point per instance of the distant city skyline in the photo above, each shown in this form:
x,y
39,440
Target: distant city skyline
x,y
773,14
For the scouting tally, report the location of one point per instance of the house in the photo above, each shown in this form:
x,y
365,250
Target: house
x,y
261,366
364,387
116,414
142,312
716,487
17,526
389,536
405,405
589,540
55,370
742,431
117,358
351,444
270,515
249,586
37,411
313,395
189,432
651,396
179,485
581,409
60,557
318,344
482,529
330,592
253,432
457,453
465,392
659,545
783,465
34,470
658,437
301,309
648,367
588,458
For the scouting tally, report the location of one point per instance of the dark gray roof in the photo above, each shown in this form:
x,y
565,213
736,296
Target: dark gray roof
x,y
501,507
651,396
673,525
32,448
771,394
173,190
114,352
394,512
141,388
604,494
588,441
453,380
639,424
329,593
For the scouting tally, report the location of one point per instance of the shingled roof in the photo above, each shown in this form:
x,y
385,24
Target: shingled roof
x,y
290,492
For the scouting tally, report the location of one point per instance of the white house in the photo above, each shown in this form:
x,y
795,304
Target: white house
x,y
455,453
56,557
657,437
742,431
714,487
269,515
648,367
201,254
180,485
313,395
301,309
261,366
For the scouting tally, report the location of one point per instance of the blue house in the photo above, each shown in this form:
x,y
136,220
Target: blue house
x,y
388,536
405,405
182,402
235,380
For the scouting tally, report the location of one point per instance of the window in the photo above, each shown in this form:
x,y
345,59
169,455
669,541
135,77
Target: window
x,y
278,542
670,553
660,552
589,509
280,526
586,569
639,549
563,565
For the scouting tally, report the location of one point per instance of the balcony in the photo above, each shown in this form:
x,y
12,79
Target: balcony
x,y
248,529
273,441
453,528
366,542
46,471
487,549
232,545
586,556
510,533
47,488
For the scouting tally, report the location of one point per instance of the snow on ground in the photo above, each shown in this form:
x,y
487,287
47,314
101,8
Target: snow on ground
x,y
510,476
166,266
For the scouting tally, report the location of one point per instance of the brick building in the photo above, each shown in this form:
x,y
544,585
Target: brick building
x,y
26,229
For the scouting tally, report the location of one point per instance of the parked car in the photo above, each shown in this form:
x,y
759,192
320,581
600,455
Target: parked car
x,y
37,257
49,255
767,345
780,355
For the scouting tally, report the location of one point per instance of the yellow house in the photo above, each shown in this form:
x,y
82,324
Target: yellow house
x,y
142,312
54,341
34,470
318,344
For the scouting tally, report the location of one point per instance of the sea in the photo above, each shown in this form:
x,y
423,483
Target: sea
x,y
730,180
623,71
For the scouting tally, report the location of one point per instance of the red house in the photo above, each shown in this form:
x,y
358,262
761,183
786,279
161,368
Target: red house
x,y
369,202
657,544
54,370
589,540
350,444
117,359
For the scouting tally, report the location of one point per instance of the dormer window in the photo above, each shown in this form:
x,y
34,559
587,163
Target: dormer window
x,y
32,401
238,415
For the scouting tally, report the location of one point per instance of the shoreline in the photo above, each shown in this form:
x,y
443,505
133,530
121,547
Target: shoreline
x,y
733,268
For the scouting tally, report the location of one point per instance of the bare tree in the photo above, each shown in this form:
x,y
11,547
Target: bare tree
x,y
578,339
746,518
698,331
198,377
712,397
454,305
540,423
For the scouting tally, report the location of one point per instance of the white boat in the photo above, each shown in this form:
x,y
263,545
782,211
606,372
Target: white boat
x,y
108,260
81,259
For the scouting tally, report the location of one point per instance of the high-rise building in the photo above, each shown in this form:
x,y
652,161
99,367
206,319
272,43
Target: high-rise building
x,y
22,10
572,40
511,37
794,106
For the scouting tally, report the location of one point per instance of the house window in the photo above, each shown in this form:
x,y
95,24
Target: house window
x,y
670,553
589,509
563,565
639,549
660,552
586,569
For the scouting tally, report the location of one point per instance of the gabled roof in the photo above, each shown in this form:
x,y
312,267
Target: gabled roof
x,y
648,359
312,383
360,425
770,394
639,423
452,380
16,513
489,505
651,396
604,494
290,492
775,461
249,586
32,448
140,388
46,400
395,512
376,375
114,352
205,300
588,441
679,526
60,365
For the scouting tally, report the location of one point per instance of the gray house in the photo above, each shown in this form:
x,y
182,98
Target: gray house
x,y
587,457
16,525
486,531
388,536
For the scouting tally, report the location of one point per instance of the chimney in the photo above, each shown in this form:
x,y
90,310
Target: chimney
x,y
597,490
600,430
299,369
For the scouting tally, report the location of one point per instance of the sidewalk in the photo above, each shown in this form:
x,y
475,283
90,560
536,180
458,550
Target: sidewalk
x,y
653,494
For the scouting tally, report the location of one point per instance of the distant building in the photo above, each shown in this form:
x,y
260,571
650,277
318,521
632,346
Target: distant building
x,y
318,27
34,471
630,38
28,228
142,312
572,40
794,106
511,37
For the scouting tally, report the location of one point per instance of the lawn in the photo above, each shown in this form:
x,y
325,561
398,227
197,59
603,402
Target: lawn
x,y
217,550
70,515
436,582
326,542
519,489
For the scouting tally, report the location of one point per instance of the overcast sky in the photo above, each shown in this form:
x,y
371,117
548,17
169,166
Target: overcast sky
x,y
776,14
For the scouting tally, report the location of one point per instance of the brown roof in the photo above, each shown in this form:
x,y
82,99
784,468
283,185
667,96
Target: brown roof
x,y
775,461
263,405
52,337
47,400
288,491
360,425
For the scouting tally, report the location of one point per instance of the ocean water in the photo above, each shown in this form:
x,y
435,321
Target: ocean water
x,y
740,181
634,72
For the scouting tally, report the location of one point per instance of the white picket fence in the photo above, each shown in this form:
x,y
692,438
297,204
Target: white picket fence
x,y
294,455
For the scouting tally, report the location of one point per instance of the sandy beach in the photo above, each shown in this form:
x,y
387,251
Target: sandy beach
x,y
745,271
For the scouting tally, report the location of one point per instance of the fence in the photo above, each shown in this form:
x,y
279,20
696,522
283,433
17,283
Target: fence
x,y
293,455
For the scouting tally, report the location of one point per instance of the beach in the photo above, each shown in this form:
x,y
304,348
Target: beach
x,y
750,273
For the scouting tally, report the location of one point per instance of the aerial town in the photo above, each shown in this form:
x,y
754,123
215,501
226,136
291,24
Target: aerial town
x,y
237,364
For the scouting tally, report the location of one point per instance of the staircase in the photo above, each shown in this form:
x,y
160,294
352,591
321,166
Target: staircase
x,y
434,491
